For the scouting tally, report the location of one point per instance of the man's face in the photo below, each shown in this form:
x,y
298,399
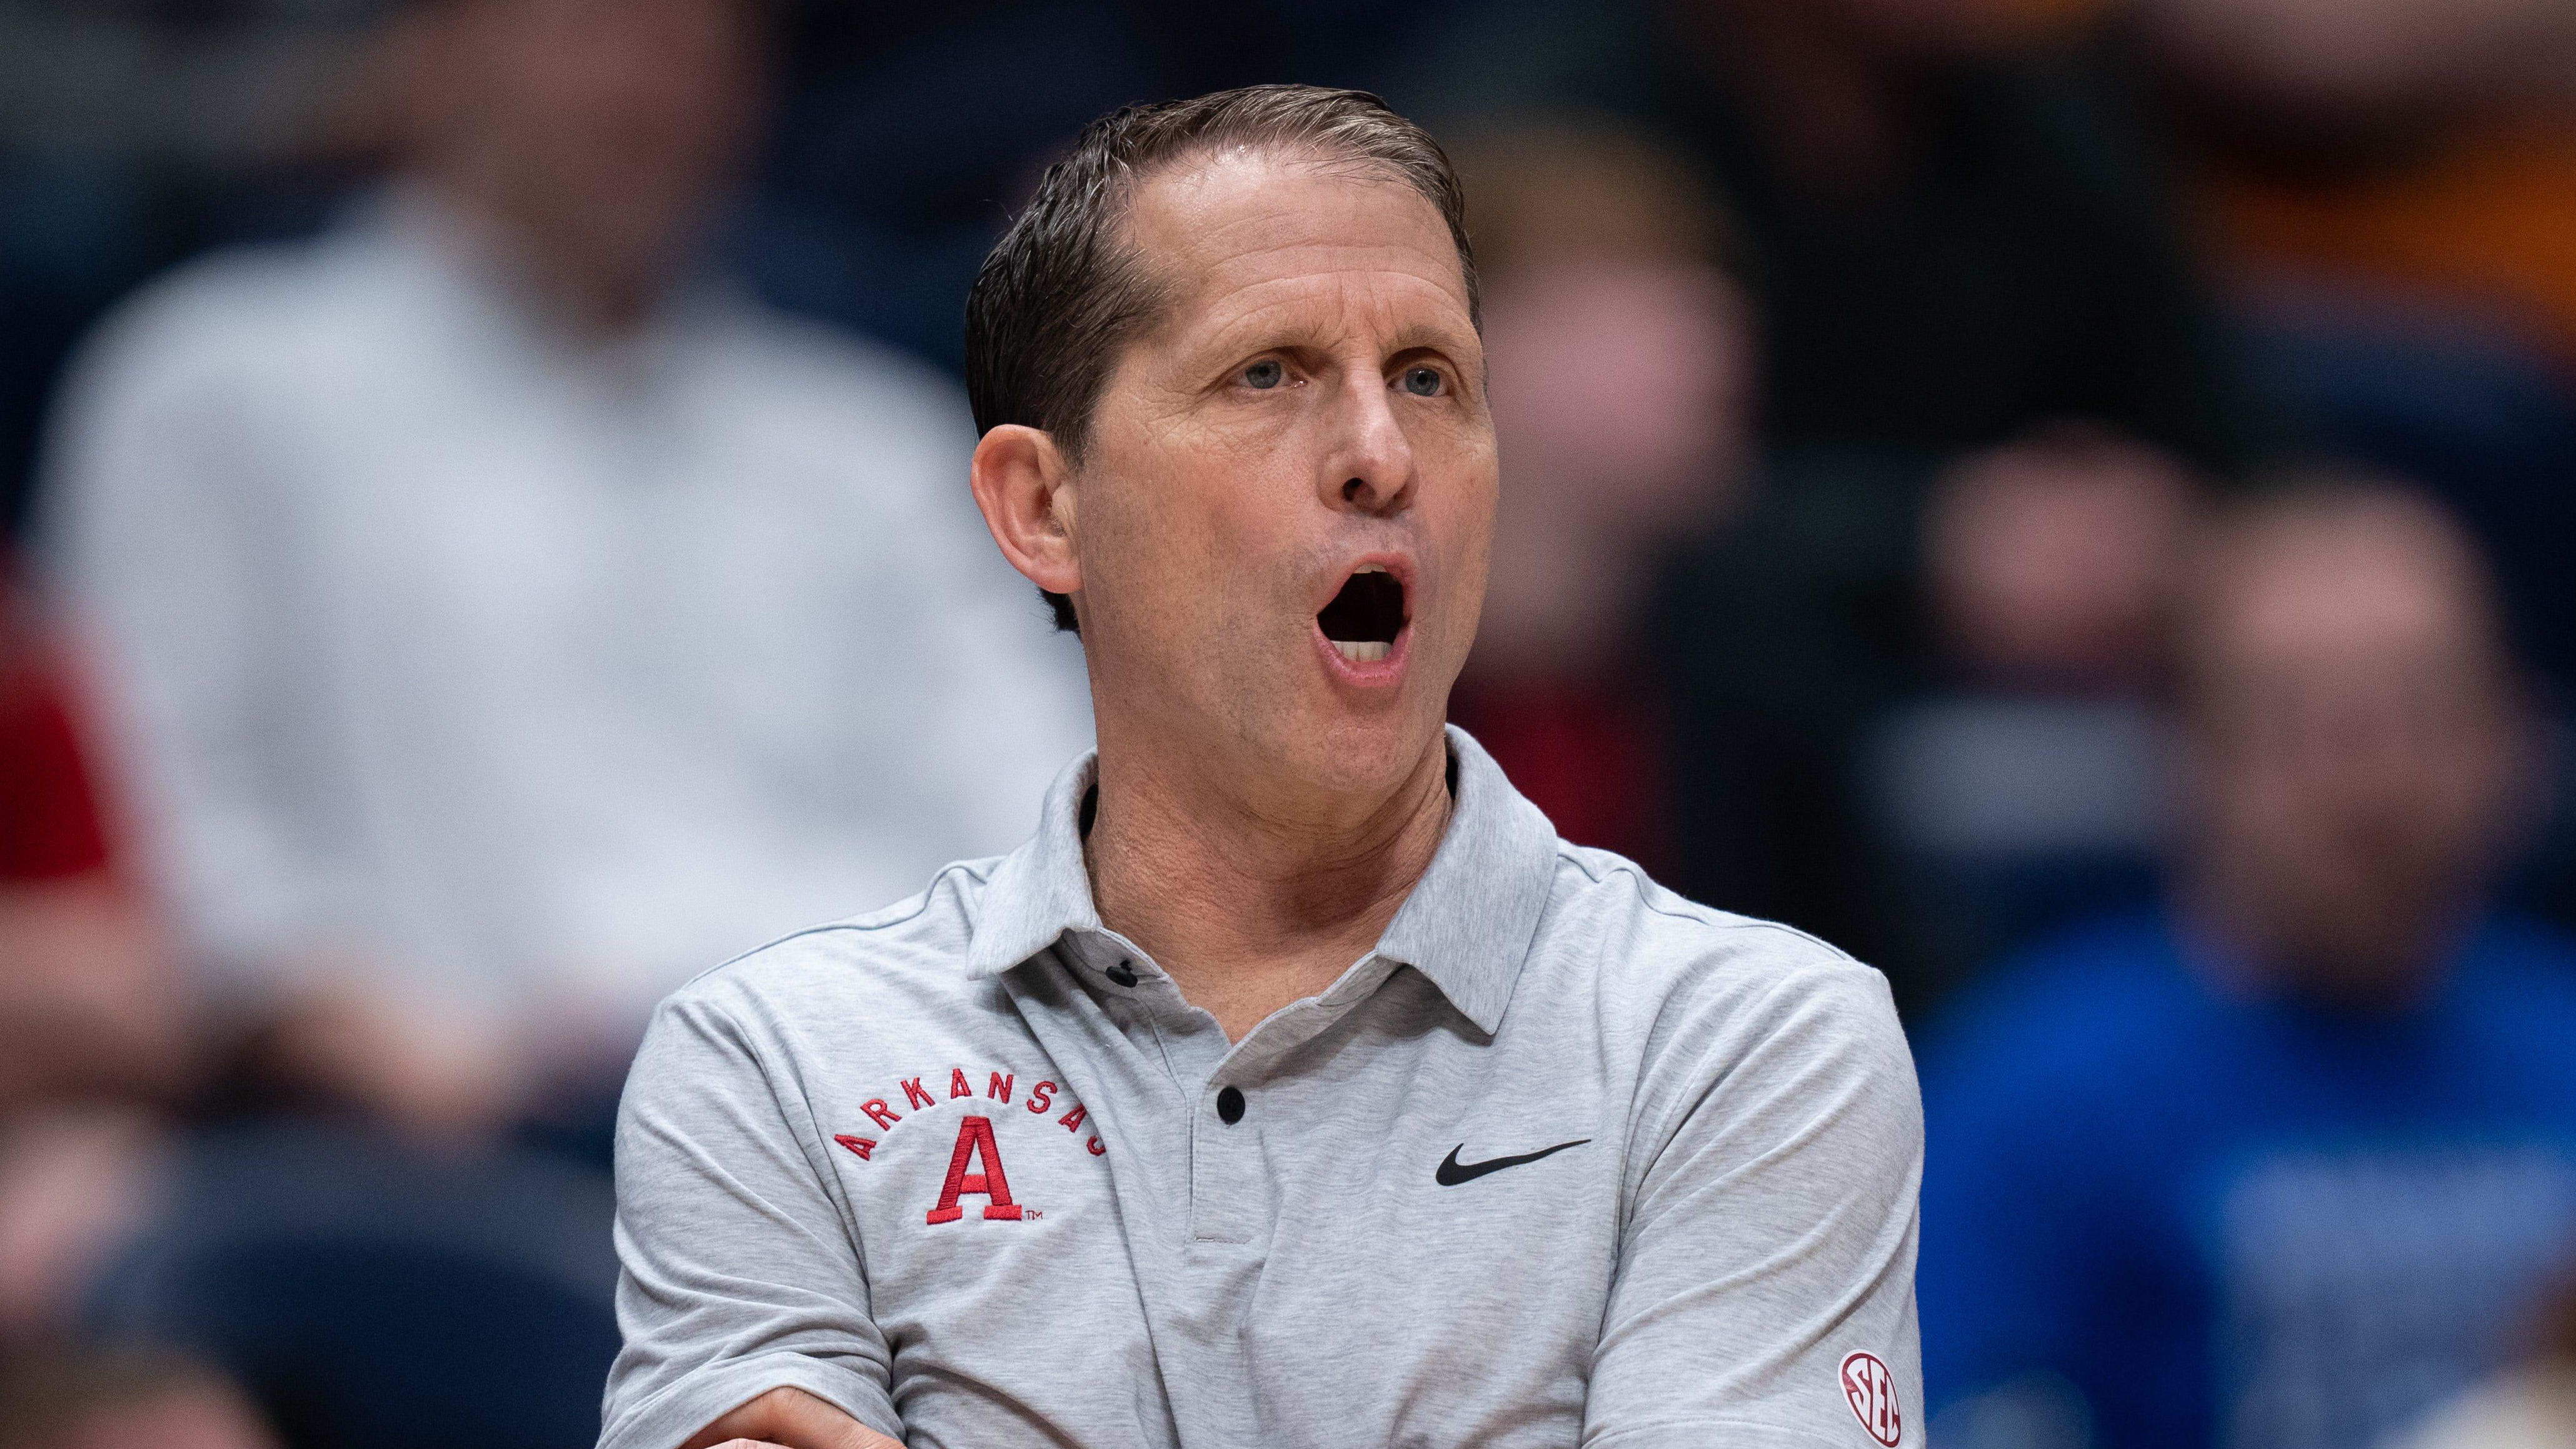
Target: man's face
x,y
1308,410
2356,750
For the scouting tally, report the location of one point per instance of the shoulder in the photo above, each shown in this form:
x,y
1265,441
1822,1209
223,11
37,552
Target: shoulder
x,y
1695,983
883,968
228,313
247,285
1652,934
1733,1039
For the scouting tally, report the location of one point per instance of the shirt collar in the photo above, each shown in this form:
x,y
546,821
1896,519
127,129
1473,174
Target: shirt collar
x,y
1467,925
1041,890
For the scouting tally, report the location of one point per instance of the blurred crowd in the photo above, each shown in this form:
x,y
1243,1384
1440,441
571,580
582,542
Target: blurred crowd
x,y
2063,498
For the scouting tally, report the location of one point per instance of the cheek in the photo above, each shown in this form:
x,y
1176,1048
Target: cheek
x,y
1141,558
1174,542
1461,518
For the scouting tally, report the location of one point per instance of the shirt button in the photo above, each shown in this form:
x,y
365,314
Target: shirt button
x,y
1123,974
1229,1106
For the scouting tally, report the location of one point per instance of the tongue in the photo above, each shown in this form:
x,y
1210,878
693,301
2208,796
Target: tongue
x,y
1369,609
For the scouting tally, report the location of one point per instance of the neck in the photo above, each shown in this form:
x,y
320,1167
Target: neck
x,y
1252,899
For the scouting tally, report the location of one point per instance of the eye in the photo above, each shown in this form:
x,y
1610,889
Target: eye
x,y
1423,381
1265,374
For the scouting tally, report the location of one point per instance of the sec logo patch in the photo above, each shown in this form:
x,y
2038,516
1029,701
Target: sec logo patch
x,y
1871,1391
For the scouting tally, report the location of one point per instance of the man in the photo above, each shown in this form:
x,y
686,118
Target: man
x,y
1295,1084
2283,1164
506,619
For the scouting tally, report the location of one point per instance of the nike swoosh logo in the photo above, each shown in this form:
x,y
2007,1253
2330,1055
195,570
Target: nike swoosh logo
x,y
1453,1172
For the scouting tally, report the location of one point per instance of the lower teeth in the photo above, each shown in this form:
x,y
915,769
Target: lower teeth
x,y
1362,651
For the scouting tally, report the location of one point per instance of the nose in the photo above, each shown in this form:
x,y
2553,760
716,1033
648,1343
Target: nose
x,y
1369,466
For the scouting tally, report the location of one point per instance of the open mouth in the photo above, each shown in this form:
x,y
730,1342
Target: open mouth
x,y
1363,619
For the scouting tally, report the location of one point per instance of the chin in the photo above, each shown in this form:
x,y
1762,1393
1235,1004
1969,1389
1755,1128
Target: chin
x,y
1364,754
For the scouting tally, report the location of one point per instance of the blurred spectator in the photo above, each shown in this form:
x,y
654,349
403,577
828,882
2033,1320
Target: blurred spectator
x,y
1840,621
2280,1164
1956,241
2048,561
505,620
2390,188
1622,390
54,1398
2025,786
2457,398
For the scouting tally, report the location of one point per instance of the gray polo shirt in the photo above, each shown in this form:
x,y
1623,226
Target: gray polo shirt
x,y
1566,1159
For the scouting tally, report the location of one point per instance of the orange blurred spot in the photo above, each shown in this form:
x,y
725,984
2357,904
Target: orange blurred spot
x,y
2493,216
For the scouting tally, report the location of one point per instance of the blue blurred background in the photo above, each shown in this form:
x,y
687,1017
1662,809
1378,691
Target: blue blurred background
x,y
2066,499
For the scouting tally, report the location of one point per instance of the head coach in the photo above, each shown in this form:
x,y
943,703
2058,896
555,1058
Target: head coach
x,y
1295,1085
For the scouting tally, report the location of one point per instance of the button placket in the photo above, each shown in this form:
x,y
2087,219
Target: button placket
x,y
1230,1197
1230,1201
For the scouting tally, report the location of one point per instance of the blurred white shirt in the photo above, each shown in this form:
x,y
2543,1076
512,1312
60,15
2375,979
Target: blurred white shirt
x,y
527,670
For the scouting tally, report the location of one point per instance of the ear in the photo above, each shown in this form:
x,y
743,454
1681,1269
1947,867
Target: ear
x,y
1026,491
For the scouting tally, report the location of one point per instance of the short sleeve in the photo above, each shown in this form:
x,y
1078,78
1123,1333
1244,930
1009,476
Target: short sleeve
x,y
739,1271
1765,1288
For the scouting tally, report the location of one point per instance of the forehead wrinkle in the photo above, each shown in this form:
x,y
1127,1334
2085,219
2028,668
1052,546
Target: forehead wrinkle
x,y
1289,310
1316,257
1179,234
1252,233
1377,267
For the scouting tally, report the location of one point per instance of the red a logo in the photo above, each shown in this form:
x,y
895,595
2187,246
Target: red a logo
x,y
975,1139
